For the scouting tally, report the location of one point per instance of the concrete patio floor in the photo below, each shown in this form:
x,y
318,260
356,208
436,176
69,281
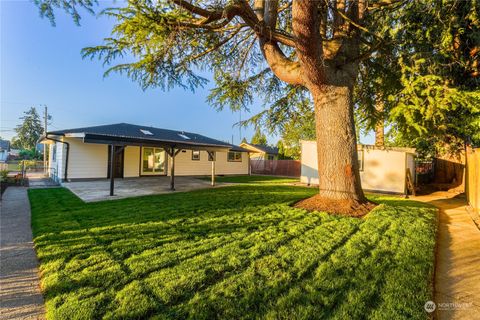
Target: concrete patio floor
x,y
99,190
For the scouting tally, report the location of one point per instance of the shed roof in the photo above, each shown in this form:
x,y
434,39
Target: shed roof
x,y
134,134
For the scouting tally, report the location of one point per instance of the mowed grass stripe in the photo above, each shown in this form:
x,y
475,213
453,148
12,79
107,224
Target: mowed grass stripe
x,y
237,252
268,276
204,270
209,248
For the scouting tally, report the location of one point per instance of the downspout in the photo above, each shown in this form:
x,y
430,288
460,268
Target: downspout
x,y
66,155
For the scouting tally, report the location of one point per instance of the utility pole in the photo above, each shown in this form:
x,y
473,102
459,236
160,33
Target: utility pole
x,y
240,127
45,119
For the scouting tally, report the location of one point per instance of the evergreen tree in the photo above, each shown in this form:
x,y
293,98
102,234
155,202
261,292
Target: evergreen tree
x,y
259,137
29,131
282,51
424,84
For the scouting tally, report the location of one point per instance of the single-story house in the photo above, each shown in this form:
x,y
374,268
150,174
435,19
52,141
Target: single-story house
x,y
86,153
260,151
381,169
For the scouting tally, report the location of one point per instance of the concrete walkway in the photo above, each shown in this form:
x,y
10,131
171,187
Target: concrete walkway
x,y
20,296
457,273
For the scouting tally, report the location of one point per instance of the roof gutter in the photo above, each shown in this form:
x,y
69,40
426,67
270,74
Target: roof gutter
x,y
46,137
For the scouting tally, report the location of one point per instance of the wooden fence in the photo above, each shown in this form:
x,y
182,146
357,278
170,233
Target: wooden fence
x,y
473,178
287,168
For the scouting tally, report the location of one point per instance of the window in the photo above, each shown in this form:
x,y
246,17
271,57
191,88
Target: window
x,y
360,160
184,136
211,156
234,156
146,132
270,157
195,155
54,152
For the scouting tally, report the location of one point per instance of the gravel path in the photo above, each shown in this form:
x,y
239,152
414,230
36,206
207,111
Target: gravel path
x,y
20,296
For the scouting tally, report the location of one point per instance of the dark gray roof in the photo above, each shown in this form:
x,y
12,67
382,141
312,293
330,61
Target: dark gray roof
x,y
144,134
264,148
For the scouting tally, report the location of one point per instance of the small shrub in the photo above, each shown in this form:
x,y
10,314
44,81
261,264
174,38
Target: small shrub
x,y
3,175
30,154
29,164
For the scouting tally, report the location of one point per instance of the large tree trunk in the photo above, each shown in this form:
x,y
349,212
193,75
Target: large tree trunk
x,y
339,178
340,189
379,126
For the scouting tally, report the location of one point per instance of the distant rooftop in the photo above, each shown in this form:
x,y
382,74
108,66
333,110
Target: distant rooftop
x,y
263,148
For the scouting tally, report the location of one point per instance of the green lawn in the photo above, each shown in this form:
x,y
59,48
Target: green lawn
x,y
253,179
238,252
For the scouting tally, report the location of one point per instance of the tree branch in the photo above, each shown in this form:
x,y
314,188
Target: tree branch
x,y
308,44
215,15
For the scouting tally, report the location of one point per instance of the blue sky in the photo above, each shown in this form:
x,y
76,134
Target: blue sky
x,y
41,64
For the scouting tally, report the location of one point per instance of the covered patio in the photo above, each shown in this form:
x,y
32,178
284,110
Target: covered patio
x,y
85,153
99,189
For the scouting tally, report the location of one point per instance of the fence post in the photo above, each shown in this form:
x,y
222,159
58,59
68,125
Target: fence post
x,y
23,172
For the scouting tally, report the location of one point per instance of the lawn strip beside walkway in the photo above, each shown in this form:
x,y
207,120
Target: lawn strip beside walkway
x,y
20,296
457,276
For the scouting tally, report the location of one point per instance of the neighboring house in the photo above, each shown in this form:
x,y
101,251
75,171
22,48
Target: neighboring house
x,y
39,147
85,153
381,169
260,152
14,152
4,150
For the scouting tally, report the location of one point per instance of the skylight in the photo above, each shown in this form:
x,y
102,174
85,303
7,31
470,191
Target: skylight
x,y
184,136
146,132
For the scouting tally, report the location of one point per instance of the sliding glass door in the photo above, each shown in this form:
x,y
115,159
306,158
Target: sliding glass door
x,y
153,161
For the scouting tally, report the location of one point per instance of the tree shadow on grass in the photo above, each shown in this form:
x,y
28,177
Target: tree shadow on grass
x,y
234,252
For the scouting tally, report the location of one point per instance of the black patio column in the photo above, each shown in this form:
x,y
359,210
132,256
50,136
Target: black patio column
x,y
172,170
112,169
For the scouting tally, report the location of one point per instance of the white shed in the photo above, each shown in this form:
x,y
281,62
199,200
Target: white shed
x,y
381,169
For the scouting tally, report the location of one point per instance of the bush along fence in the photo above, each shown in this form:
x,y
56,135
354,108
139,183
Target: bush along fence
x,y
473,178
286,168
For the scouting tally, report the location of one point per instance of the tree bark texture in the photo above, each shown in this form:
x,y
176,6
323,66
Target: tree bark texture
x,y
380,126
338,171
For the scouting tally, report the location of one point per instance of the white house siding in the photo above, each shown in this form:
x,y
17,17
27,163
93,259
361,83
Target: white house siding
x,y
131,167
411,165
383,170
56,167
52,164
185,166
87,160
309,165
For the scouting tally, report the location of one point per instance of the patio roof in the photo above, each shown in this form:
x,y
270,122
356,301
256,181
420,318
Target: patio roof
x,y
125,134
130,134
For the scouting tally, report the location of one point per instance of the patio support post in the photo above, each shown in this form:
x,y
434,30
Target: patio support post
x,y
172,170
213,166
172,153
112,169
